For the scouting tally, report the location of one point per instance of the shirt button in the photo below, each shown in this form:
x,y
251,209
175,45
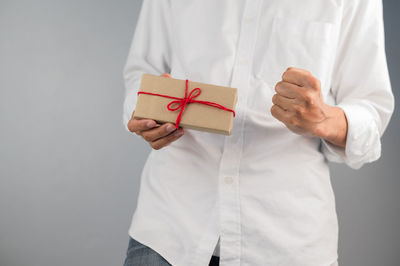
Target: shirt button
x,y
244,62
228,180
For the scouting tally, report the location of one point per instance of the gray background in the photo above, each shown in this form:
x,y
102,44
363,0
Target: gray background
x,y
68,170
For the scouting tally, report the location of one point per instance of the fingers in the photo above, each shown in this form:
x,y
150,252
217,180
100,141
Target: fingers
x,y
283,102
130,122
300,77
158,136
280,114
294,76
164,141
303,96
159,132
287,89
138,125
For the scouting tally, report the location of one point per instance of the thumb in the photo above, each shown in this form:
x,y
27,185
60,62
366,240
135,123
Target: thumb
x,y
166,75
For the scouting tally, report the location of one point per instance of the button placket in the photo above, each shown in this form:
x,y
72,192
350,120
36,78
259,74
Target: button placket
x,y
229,192
228,180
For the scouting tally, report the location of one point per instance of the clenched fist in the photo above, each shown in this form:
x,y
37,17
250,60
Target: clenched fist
x,y
298,103
157,135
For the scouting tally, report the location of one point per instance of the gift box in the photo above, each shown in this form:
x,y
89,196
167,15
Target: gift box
x,y
187,104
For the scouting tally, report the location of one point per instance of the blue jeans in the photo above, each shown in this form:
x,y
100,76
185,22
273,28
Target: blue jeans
x,y
141,255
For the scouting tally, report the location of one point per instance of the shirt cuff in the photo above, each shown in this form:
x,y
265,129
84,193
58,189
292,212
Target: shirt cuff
x,y
363,143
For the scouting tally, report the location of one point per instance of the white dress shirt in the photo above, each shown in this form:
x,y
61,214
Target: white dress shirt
x,y
263,192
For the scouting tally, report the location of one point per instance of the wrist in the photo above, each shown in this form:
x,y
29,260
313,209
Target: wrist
x,y
334,127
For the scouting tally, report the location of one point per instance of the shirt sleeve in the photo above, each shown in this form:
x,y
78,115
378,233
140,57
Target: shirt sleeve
x,y
150,51
361,84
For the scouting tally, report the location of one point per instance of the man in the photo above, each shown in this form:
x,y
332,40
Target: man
x,y
313,86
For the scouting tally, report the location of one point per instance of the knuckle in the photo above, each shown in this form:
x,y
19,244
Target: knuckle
x,y
156,146
313,81
308,97
130,126
299,110
273,110
278,85
274,98
293,121
146,137
284,75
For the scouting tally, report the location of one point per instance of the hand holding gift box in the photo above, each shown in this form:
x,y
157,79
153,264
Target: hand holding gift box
x,y
188,104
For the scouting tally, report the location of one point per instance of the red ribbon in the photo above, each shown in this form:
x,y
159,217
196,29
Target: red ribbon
x,y
187,99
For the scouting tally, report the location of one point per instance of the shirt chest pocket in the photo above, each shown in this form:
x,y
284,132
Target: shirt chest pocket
x,y
297,43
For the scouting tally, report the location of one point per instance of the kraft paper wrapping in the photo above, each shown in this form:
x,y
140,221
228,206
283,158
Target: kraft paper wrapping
x,y
195,116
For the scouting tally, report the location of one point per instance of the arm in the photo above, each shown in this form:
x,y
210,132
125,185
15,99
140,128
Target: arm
x,y
150,52
352,129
